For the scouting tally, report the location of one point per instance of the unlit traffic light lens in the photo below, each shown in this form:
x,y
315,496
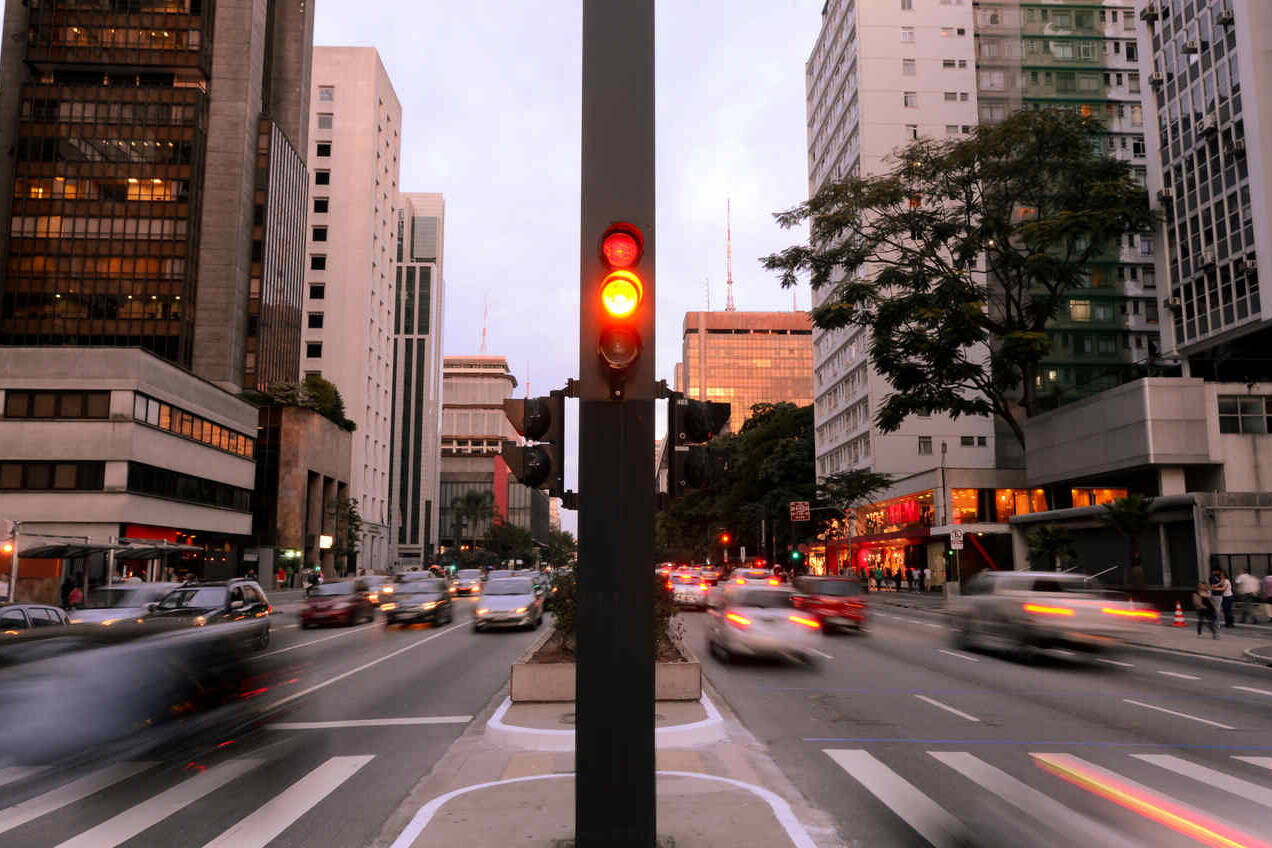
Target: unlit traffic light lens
x,y
620,293
619,347
620,249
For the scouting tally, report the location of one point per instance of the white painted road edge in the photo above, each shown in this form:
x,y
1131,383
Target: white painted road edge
x,y
368,722
781,809
694,734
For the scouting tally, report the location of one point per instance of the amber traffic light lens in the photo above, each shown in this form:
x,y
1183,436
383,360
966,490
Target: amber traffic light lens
x,y
620,249
620,293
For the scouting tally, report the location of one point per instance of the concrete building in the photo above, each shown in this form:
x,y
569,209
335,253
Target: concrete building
x,y
474,428
745,358
150,202
417,376
1209,127
354,126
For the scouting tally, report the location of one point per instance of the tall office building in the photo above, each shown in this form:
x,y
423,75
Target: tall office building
x,y
417,375
745,358
149,192
354,141
1209,70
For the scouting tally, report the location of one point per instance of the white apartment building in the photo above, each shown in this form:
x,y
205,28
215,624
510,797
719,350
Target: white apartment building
x,y
417,376
355,120
883,73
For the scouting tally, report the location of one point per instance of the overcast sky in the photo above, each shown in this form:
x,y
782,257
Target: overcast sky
x,y
491,119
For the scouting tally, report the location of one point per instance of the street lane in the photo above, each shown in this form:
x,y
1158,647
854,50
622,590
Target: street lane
x,y
901,713
398,698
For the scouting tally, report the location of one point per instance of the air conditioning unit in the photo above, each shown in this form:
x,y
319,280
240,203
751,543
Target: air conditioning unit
x,y
1165,194
1207,258
1251,265
1192,46
1209,124
1174,304
1238,147
1156,78
1149,12
1226,18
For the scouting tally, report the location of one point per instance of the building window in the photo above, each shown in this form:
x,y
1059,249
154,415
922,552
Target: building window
x,y
1009,502
967,441
322,178
45,476
912,131
317,291
326,93
59,404
909,67
910,99
315,320
324,149
313,350
907,5
1244,414
317,262
321,205
1095,497
325,120
925,445
949,63
951,97
1080,310
147,410
165,483
319,233
982,441
907,35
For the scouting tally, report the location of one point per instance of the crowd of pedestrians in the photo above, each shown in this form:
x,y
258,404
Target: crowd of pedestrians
x,y
1248,596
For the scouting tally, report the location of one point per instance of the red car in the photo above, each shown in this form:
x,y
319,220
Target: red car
x,y
337,603
837,602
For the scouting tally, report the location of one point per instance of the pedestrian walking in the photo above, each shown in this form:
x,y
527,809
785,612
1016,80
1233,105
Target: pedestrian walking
x,y
1247,597
75,598
1219,585
1267,595
926,583
1227,601
1203,603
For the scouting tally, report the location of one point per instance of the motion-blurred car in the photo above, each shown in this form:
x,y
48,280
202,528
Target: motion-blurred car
x,y
468,581
500,573
215,603
1040,610
346,603
110,604
419,600
17,619
375,584
711,574
836,602
760,621
509,602
762,576
689,588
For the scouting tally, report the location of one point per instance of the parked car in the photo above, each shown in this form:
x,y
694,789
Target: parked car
x,y
346,603
206,604
509,602
420,600
1040,610
110,604
468,581
760,621
17,619
837,602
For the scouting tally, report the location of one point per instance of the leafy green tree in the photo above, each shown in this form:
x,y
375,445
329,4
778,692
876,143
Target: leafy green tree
x,y
348,531
1049,545
1130,516
847,489
316,393
508,541
562,548
958,257
471,509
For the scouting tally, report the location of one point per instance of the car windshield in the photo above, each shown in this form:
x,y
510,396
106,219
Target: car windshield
x,y
207,597
424,587
113,598
334,589
835,588
469,574
509,586
763,599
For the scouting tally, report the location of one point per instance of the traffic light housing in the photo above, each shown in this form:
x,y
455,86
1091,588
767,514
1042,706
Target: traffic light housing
x,y
540,463
692,465
618,317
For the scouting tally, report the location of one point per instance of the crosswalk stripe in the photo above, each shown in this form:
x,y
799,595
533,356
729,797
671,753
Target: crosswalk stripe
x,y
1030,801
1265,762
916,809
267,823
147,814
69,793
1250,791
12,774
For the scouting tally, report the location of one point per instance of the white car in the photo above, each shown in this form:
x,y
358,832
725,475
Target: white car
x,y
509,602
757,620
1039,610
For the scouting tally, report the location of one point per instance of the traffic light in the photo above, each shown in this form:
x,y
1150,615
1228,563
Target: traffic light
x,y
618,318
724,538
541,422
692,464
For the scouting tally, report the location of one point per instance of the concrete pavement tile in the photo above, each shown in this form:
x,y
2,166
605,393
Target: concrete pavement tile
x,y
679,761
524,764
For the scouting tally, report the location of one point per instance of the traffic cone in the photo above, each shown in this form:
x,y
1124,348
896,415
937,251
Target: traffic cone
x,y
1179,616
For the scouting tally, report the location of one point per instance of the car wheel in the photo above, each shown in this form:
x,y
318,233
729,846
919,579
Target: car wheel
x,y
262,642
964,636
476,627
720,652
305,625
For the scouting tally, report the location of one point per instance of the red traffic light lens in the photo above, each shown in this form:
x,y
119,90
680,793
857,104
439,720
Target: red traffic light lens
x,y
621,293
620,249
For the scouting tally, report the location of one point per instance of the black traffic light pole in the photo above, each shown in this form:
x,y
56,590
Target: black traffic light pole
x,y
614,731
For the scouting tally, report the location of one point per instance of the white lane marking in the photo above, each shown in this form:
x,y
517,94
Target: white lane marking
x,y
931,624
369,722
956,654
348,632
1181,715
289,627
821,654
1179,674
12,774
1063,652
1234,785
68,793
1263,762
147,814
1108,661
324,684
1254,691
915,808
267,823
1030,801
925,699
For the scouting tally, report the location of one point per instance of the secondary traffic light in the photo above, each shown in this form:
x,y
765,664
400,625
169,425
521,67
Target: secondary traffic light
x,y
618,317
692,464
724,538
541,422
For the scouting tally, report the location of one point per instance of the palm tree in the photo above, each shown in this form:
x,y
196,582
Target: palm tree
x,y
1129,516
1048,545
472,508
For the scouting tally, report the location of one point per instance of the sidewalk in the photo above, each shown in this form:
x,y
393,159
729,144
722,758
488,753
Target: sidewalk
x,y
489,789
1251,643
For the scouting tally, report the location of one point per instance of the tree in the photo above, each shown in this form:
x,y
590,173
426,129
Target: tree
x,y
1048,545
470,509
1130,516
508,541
846,489
562,548
347,521
958,257
316,393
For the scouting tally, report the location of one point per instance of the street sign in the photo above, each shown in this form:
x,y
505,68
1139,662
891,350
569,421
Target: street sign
x,y
956,539
800,511
742,554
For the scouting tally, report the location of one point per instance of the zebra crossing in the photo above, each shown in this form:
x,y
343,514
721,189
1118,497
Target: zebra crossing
x,y
257,829
1243,793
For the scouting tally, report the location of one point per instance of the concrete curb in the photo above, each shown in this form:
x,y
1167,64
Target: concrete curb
x,y
1264,658
692,735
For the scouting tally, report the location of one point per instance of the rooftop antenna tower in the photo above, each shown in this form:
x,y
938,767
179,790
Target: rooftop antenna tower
x,y
728,229
485,310
708,284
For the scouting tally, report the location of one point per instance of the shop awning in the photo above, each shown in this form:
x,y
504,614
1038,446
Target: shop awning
x,y
68,550
152,549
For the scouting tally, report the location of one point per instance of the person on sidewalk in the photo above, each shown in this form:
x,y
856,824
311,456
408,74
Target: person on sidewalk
x,y
1203,603
1227,602
1267,595
1220,587
1248,597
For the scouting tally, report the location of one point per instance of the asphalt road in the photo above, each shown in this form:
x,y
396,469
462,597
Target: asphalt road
x,y
906,740
357,716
